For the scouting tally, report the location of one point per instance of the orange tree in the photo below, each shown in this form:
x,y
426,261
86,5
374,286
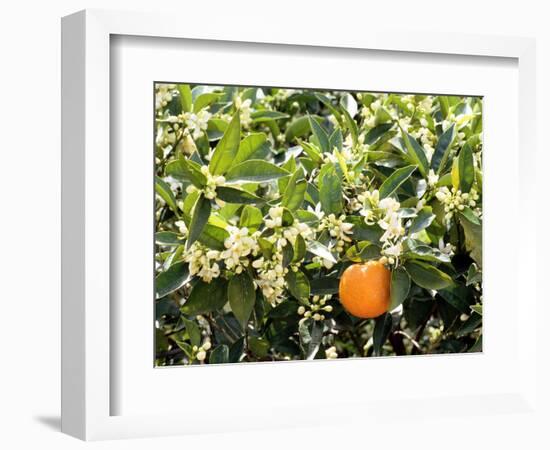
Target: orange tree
x,y
264,197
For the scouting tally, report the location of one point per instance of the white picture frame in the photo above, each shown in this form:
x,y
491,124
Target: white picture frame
x,y
88,386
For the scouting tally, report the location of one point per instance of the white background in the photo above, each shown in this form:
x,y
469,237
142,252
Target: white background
x,y
30,146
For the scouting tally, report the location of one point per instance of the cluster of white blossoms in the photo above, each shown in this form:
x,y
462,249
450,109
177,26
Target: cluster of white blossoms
x,y
244,108
163,95
338,229
271,277
427,138
203,262
331,353
455,200
315,309
238,247
385,213
369,112
200,352
196,123
212,182
282,235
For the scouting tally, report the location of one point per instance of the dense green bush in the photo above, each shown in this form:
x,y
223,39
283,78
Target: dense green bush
x,y
265,196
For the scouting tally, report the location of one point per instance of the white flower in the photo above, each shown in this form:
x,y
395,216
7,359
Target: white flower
x,y
392,226
182,227
433,178
331,353
337,229
244,108
276,214
271,277
238,246
196,123
394,250
202,262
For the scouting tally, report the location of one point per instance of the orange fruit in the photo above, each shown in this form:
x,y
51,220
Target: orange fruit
x,y
365,289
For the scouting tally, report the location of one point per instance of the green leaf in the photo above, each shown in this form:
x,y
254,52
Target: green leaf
x,y
315,342
330,190
336,140
253,146
185,97
251,218
320,134
474,275
256,171
298,128
227,148
444,105
288,254
466,168
259,346
382,329
184,169
396,179
312,151
220,355
193,330
478,309
216,128
298,284
363,251
163,189
203,100
423,220
172,279
236,350
265,115
241,295
324,286
328,103
377,132
199,219
470,216
299,248
168,238
399,288
473,239
382,116
457,297
233,195
351,125
213,237
427,276
320,250
416,153
206,297
443,149
293,198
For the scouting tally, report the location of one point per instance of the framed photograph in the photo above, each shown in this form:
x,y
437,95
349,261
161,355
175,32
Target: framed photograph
x,y
255,226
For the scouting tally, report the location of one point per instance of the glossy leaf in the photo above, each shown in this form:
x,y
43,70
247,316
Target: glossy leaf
x,y
396,179
226,150
241,295
200,217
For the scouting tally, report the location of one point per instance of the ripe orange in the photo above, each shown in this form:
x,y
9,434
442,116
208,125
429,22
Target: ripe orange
x,y
365,289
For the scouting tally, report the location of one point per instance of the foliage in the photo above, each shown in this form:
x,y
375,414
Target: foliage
x,y
264,196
